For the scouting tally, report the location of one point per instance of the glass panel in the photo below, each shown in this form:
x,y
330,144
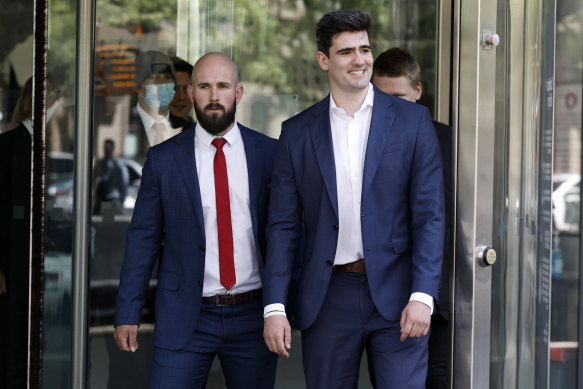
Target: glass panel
x,y
537,198
16,25
60,130
273,44
566,242
520,280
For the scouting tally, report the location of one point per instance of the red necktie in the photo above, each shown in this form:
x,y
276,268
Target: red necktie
x,y
226,262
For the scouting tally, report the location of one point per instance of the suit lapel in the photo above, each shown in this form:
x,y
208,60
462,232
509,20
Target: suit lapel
x,y
185,160
381,125
321,134
254,170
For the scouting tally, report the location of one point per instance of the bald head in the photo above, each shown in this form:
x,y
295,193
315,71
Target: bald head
x,y
216,59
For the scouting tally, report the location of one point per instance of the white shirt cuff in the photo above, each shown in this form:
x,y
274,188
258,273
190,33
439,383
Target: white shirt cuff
x,y
273,309
422,298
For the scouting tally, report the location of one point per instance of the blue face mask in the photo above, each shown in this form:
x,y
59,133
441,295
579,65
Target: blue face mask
x,y
158,96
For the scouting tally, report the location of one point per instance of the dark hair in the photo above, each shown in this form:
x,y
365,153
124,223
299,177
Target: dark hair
x,y
336,22
396,62
110,141
181,65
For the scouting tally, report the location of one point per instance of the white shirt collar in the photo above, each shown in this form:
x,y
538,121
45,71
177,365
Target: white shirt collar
x,y
206,138
368,101
149,121
28,124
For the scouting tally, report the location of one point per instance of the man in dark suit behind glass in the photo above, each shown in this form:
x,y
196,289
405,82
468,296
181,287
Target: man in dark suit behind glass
x,y
395,72
15,193
151,120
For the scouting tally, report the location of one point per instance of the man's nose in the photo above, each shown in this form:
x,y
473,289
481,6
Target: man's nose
x,y
214,94
358,58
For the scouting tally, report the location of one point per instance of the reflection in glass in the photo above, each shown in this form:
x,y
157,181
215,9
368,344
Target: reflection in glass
x,y
16,28
566,196
59,183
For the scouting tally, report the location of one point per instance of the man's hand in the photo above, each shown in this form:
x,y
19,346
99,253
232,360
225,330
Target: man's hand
x,y
126,337
277,334
2,284
415,320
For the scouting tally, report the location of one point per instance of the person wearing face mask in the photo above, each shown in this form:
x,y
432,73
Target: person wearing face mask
x,y
156,80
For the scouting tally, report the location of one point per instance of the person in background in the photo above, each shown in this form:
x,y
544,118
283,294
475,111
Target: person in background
x,y
156,80
112,180
206,191
364,170
181,105
395,72
15,194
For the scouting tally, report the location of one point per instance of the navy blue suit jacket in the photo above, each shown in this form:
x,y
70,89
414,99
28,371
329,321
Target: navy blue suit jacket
x,y
169,206
402,208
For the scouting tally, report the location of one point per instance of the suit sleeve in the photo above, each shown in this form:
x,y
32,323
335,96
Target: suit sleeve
x,y
143,244
284,224
427,209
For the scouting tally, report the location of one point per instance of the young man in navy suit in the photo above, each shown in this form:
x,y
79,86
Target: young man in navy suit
x,y
364,170
205,192
396,72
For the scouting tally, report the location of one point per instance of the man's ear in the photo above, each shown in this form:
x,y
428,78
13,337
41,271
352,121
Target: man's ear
x,y
418,91
238,93
322,60
190,92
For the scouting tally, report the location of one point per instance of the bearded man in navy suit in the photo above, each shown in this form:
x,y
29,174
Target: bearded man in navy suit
x,y
363,171
205,192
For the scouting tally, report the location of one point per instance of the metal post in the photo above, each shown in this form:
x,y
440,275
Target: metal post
x,y
82,199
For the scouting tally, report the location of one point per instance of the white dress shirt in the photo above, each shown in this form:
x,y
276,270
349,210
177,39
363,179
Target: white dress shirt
x,y
244,251
349,139
149,122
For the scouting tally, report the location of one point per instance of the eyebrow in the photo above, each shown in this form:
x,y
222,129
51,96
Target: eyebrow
x,y
352,48
216,83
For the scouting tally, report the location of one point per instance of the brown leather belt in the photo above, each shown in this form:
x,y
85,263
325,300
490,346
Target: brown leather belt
x,y
223,300
352,267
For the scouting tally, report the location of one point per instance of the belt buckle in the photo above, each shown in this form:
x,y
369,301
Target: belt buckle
x,y
218,297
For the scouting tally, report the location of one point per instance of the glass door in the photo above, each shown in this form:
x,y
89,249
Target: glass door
x,y
273,44
505,111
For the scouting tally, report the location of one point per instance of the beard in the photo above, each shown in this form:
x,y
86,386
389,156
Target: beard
x,y
215,123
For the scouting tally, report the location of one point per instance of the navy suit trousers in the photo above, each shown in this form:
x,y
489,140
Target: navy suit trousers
x,y
349,323
235,335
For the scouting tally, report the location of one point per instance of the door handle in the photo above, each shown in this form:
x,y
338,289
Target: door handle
x,y
486,256
489,39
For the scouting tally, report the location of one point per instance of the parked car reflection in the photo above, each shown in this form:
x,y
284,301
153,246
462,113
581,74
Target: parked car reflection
x,y
107,247
566,202
60,171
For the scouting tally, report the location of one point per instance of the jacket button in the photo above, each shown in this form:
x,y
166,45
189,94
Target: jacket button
x,y
329,263
199,283
335,228
202,247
